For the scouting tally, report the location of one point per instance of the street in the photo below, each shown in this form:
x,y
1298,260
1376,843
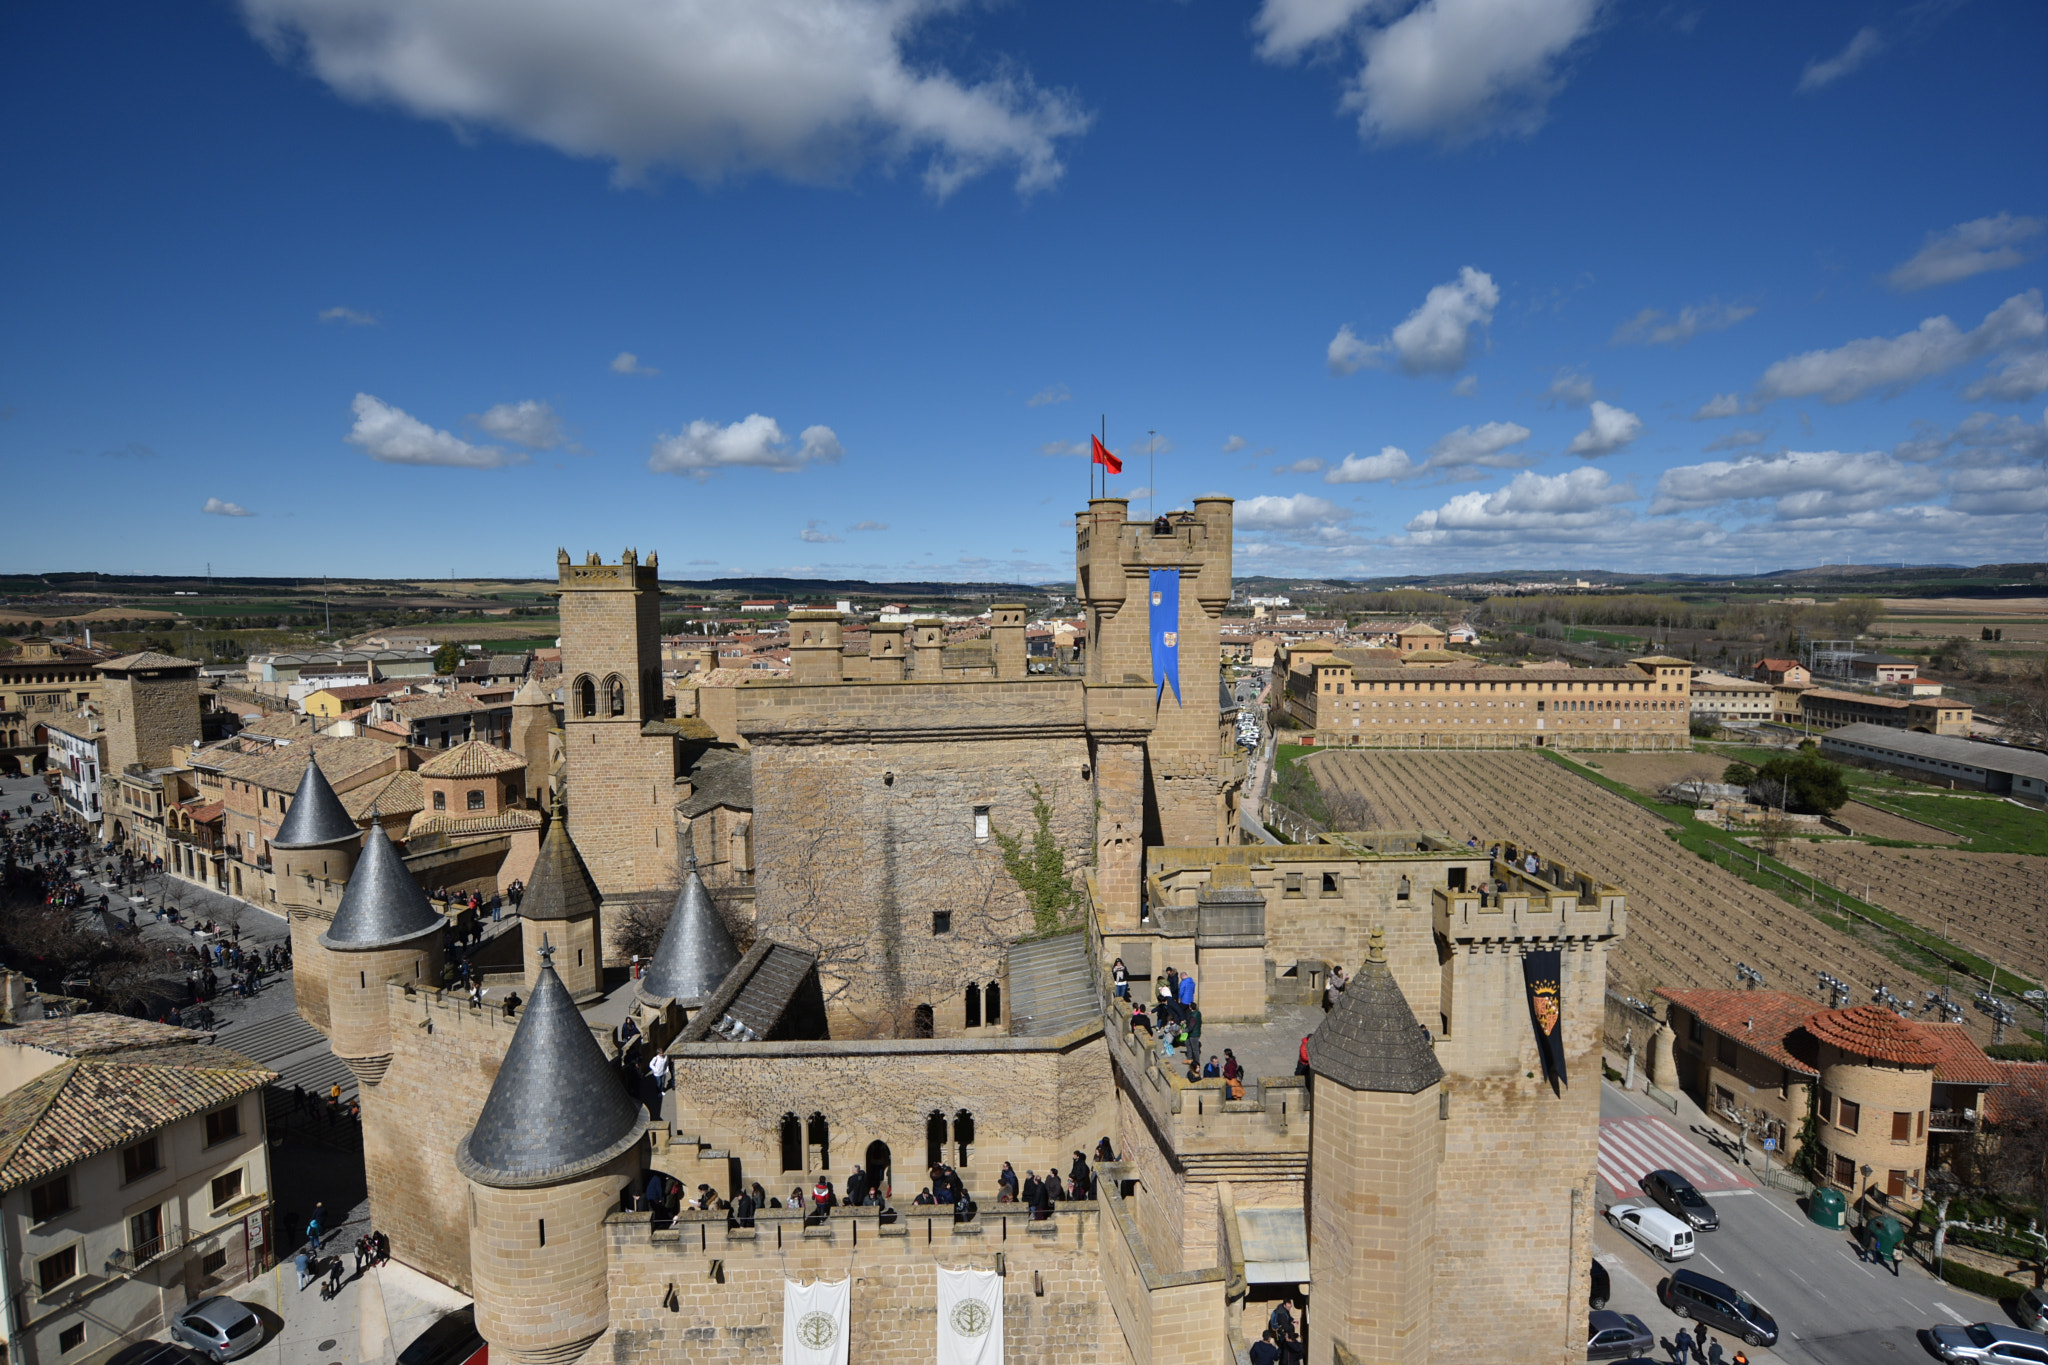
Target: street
x,y
1831,1307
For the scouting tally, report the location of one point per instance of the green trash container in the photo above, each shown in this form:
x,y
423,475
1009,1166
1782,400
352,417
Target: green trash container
x,y
1885,1233
1826,1207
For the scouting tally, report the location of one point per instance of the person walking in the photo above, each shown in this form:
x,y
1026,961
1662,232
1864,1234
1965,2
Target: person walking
x,y
1681,1347
304,1265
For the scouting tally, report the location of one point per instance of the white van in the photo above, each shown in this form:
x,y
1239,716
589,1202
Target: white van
x,y
1670,1237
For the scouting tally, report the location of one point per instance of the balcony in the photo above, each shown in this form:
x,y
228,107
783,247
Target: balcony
x,y
1951,1120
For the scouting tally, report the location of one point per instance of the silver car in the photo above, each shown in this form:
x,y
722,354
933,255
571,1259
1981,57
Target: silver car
x,y
1991,1342
219,1328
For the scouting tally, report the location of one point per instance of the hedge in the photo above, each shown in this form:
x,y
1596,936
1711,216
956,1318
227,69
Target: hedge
x,y
2017,1052
1994,1287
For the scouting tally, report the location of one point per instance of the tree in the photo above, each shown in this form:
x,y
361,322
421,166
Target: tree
x,y
448,657
1738,774
1803,782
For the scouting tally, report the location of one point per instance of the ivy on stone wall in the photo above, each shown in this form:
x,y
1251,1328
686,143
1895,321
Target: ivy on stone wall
x,y
1041,870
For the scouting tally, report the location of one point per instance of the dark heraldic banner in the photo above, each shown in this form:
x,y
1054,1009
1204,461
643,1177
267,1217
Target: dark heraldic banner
x,y
1540,973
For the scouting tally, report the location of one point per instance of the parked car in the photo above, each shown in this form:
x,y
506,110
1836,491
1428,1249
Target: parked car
x,y
1601,1287
1677,1195
1610,1336
1991,1342
219,1328
156,1353
1669,1237
1690,1294
452,1340
2033,1311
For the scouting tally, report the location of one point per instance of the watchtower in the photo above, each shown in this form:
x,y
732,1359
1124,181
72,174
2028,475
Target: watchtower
x,y
316,848
384,931
561,909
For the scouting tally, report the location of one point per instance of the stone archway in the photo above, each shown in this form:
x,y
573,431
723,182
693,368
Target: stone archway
x,y
877,1165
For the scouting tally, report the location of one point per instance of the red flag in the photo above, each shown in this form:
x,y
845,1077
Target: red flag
x,y
1100,455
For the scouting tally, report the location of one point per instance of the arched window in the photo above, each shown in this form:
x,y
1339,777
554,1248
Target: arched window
x,y
934,1138
615,696
973,1005
820,1136
586,698
792,1143
992,1004
963,1136
921,1022
1401,892
476,800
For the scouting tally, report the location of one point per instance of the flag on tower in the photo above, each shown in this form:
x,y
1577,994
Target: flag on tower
x,y
1101,455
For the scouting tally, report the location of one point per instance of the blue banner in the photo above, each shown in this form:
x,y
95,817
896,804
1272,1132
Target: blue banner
x,y
1166,632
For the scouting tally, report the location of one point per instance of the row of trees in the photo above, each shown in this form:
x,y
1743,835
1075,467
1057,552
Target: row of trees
x,y
1851,616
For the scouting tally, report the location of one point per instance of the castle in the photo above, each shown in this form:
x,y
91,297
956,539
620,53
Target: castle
x,y
905,1002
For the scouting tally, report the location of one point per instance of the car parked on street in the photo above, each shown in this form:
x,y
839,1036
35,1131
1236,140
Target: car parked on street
x,y
1602,1287
1670,1238
1611,1336
1991,1342
219,1328
1690,1294
1678,1196
2033,1310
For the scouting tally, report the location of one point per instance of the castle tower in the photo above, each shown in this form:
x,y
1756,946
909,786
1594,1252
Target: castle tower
x,y
561,908
316,848
557,1140
1006,624
149,703
621,774
814,644
1375,1142
384,931
696,952
927,652
533,717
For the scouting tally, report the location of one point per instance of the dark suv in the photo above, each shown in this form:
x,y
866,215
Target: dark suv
x,y
1677,1197
1690,1294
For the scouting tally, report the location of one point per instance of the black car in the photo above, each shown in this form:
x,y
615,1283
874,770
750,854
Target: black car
x,y
1610,1336
1676,1195
1690,1294
451,1341
1598,1298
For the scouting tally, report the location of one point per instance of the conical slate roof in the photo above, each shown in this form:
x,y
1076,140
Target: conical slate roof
x,y
695,952
1370,1040
560,886
382,904
316,817
557,1109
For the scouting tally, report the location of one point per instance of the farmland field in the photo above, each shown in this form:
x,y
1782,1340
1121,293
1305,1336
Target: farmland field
x,y
1871,823
1690,921
1989,824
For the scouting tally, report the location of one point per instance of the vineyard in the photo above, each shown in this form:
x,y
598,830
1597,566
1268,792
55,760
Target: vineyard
x,y
1994,904
1689,921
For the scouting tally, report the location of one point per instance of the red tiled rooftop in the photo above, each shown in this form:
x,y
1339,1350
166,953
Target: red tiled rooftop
x,y
1875,1032
1962,1061
1759,1020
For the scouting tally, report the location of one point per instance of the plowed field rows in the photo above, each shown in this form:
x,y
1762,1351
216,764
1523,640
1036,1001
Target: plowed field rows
x,y
1994,904
1689,921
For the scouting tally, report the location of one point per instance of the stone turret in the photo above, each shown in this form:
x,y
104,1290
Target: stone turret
x,y
556,1142
1375,1141
533,718
561,910
1006,624
696,952
927,651
315,849
384,931
885,651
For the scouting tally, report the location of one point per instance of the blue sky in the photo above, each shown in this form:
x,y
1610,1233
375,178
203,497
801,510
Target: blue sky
x,y
412,287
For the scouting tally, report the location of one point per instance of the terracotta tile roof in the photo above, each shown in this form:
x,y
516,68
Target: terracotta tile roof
x,y
1875,1032
472,758
1779,665
400,793
93,1104
1762,1021
2022,1093
426,708
205,813
454,826
1961,1062
148,658
279,767
91,1035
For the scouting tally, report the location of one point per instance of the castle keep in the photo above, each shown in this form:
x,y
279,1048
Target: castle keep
x,y
868,988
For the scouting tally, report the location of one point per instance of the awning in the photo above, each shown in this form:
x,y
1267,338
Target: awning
x,y
1275,1245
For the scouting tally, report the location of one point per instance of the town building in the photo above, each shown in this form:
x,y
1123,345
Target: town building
x,y
135,1180
1960,762
78,755
1725,699
39,680
1825,708
1783,672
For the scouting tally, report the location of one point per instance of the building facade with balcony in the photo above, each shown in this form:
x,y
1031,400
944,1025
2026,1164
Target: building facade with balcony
x,y
136,1180
78,755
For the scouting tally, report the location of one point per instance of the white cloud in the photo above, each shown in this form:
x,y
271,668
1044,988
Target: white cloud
x,y
528,423
1484,446
869,526
395,436
1056,393
1307,466
1468,387
1449,70
1799,484
754,442
1821,73
1893,363
2022,377
1301,512
1736,440
1346,354
1575,501
1655,327
1391,463
215,507
349,316
1570,389
625,362
1720,405
1966,249
1235,444
1608,429
806,89
814,531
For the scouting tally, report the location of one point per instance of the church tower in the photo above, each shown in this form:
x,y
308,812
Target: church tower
x,y
315,850
1375,1142
383,931
560,910
556,1142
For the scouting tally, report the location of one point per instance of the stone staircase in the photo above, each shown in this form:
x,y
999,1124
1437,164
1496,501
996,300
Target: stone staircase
x,y
1051,989
299,1053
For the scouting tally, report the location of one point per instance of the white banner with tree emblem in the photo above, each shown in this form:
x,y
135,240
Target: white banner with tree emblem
x,y
970,1317
814,1322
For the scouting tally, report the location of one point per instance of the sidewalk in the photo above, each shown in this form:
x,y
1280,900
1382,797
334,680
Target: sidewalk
x,y
373,1318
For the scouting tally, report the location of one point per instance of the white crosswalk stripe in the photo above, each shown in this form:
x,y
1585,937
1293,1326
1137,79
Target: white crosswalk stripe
x,y
1631,1148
